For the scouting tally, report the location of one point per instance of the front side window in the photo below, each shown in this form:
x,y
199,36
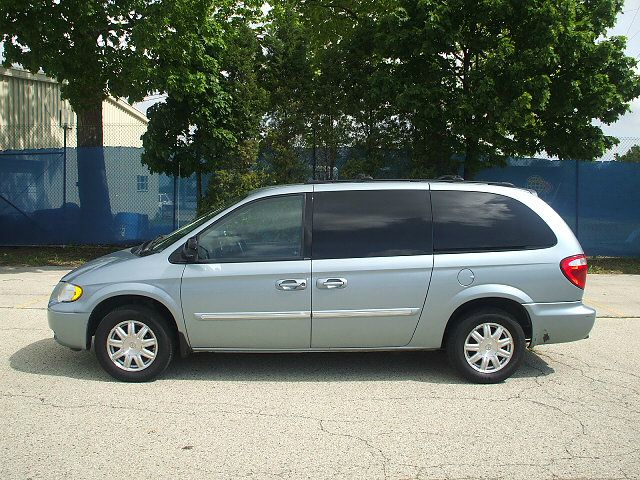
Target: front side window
x,y
371,223
479,221
164,241
267,229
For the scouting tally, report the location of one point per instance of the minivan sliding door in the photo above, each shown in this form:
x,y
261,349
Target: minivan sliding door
x,y
371,265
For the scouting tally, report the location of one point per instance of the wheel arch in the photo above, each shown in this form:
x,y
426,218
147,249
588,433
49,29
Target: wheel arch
x,y
510,306
109,304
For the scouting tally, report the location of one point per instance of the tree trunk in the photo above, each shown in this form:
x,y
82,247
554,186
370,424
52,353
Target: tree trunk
x,y
315,153
199,190
471,144
333,147
470,159
93,190
369,139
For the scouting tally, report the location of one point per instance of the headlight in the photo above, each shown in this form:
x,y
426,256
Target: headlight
x,y
69,292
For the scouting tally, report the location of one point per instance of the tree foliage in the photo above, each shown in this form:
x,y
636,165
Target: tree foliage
x,y
461,80
288,76
225,185
214,101
96,48
258,97
632,155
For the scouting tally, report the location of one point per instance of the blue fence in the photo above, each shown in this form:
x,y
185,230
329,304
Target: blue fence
x,y
40,199
40,202
600,201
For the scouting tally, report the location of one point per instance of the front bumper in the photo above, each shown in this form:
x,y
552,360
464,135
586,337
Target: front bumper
x,y
69,328
559,322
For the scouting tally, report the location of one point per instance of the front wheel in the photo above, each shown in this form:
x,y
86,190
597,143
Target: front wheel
x,y
487,346
134,344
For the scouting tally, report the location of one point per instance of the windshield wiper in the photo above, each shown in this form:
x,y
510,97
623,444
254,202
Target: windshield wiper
x,y
148,245
136,250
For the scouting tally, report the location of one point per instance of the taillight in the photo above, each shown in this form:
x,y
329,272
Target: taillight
x,y
575,269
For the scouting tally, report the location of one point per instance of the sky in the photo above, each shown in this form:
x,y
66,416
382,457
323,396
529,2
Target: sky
x,y
629,25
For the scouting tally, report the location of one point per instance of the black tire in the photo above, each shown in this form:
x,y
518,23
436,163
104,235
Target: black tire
x,y
141,315
455,345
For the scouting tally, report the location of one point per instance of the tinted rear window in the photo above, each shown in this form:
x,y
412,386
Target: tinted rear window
x,y
371,223
478,221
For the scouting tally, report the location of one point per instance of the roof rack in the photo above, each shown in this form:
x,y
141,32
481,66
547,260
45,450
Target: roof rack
x,y
444,178
365,180
450,178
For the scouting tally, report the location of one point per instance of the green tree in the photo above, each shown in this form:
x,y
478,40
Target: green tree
x,y
632,155
288,76
226,185
354,82
470,82
311,75
213,109
96,48
499,77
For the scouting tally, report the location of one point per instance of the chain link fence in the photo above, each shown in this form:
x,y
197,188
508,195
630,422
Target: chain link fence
x,y
600,201
40,188
42,195
621,149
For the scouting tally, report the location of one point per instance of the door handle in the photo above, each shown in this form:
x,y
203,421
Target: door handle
x,y
330,283
291,284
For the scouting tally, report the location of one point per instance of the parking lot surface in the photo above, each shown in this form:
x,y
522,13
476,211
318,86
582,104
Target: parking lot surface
x,y
571,412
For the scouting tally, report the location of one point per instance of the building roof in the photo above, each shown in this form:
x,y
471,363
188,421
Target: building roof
x,y
117,103
21,73
125,107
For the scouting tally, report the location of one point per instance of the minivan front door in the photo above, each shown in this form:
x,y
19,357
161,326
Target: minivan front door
x,y
372,263
249,288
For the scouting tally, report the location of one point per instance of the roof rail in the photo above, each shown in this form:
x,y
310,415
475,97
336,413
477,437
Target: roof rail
x,y
368,179
444,178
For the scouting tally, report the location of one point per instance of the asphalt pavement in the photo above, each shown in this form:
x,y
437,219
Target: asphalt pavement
x,y
571,412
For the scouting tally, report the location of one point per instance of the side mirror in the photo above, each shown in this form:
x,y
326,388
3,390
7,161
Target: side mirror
x,y
190,249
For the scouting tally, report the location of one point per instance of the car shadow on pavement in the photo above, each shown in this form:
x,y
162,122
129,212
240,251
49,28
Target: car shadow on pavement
x,y
46,357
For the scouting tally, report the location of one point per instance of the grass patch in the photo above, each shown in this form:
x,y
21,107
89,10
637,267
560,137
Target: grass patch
x,y
69,256
629,265
74,256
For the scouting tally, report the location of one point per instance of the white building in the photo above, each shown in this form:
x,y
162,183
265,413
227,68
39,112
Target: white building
x,y
32,120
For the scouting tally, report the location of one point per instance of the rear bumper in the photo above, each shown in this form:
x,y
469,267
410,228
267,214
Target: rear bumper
x,y
69,329
560,322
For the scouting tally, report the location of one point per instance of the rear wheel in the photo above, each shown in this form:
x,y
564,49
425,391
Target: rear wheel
x,y
134,344
487,346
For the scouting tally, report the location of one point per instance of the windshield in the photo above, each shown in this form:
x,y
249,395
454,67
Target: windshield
x,y
163,242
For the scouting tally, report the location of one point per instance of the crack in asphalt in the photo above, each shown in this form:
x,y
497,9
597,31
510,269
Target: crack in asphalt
x,y
566,446
596,366
197,413
376,451
385,460
582,373
542,382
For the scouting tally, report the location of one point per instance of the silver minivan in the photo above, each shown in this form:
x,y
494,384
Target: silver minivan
x,y
481,270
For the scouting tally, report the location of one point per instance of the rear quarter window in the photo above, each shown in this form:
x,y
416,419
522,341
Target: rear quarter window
x,y
479,221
